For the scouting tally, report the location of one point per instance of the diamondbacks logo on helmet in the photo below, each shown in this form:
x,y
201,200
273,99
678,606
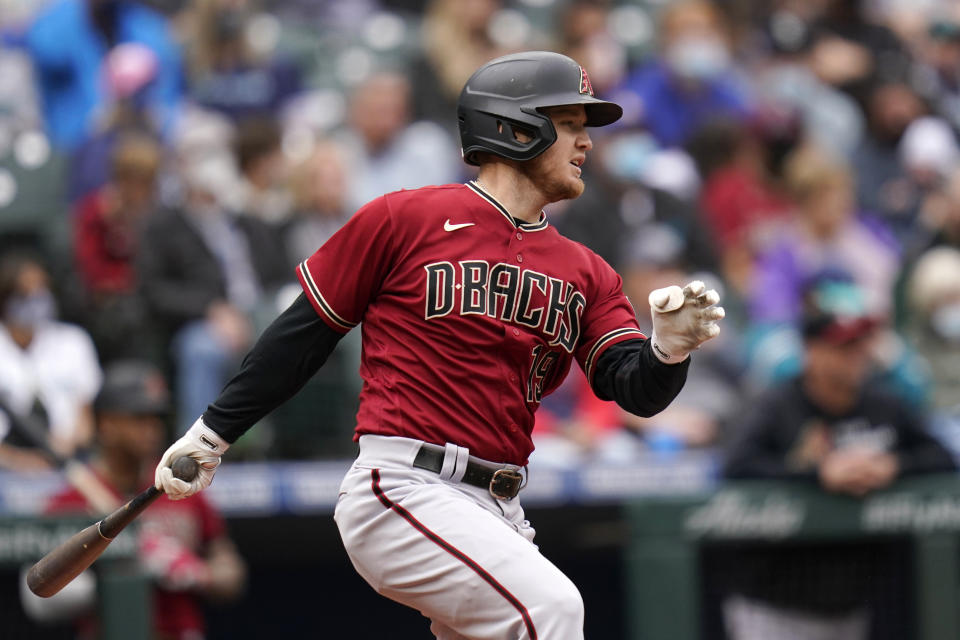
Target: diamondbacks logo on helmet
x,y
586,88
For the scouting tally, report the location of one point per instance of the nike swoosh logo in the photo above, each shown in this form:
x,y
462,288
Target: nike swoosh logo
x,y
453,227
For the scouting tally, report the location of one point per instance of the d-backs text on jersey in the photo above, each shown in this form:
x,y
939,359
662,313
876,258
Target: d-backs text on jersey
x,y
506,291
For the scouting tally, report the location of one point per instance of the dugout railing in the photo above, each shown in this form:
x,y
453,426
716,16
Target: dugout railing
x,y
671,538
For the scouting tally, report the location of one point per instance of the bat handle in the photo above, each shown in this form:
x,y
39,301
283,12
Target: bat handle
x,y
185,468
114,523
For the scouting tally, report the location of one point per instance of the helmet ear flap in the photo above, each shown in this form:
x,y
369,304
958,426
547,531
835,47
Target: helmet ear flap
x,y
506,137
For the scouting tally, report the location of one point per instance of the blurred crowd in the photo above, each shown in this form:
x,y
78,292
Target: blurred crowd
x,y
165,165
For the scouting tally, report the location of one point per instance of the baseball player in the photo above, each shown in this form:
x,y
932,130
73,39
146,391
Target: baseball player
x,y
473,309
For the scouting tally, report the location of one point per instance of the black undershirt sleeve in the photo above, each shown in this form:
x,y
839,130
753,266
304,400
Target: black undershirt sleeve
x,y
285,357
630,374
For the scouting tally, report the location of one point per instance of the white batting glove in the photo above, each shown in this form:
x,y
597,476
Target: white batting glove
x,y
201,443
683,319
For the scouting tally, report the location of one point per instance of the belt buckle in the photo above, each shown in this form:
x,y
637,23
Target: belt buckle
x,y
505,484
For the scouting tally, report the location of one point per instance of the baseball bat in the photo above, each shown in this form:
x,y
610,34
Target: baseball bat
x,y
64,563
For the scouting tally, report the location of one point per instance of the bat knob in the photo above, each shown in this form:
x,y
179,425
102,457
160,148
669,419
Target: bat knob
x,y
185,468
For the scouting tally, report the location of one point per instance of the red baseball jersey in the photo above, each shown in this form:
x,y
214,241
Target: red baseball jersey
x,y
469,316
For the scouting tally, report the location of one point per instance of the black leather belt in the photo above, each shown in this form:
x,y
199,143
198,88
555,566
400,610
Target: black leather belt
x,y
503,484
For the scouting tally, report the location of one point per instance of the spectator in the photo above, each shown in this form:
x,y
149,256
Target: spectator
x,y
743,199
182,545
586,35
385,151
929,153
49,372
204,274
834,426
825,235
226,73
929,156
938,225
933,293
320,201
939,68
631,204
107,237
850,50
691,82
130,70
826,241
69,41
19,99
456,40
884,188
781,74
264,192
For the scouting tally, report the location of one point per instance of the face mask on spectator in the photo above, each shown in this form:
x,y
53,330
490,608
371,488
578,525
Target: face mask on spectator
x,y
698,57
628,156
945,321
30,311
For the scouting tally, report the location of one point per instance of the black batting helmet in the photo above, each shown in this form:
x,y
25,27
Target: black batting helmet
x,y
133,387
510,91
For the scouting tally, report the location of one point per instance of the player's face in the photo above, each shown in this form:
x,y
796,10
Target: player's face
x,y
556,172
139,437
844,366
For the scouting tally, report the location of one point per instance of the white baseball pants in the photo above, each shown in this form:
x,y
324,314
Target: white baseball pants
x,y
461,557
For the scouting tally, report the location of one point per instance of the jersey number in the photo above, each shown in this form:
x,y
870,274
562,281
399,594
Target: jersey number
x,y
541,368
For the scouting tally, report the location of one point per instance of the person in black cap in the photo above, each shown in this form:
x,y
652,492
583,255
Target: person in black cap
x,y
131,409
183,545
834,425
